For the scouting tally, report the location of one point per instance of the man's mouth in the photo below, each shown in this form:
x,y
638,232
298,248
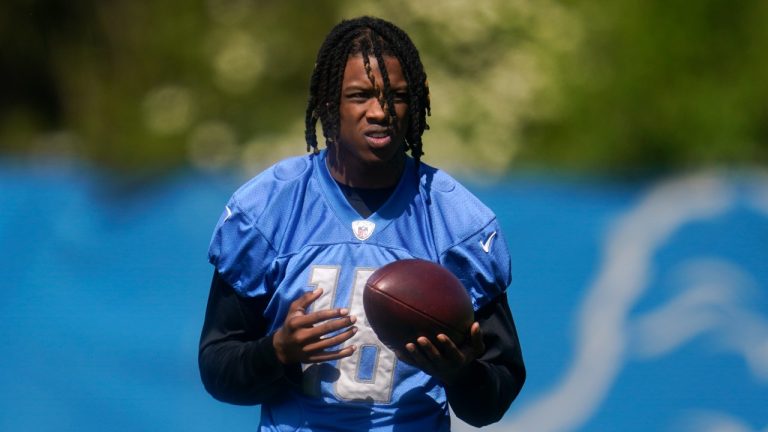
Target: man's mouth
x,y
378,138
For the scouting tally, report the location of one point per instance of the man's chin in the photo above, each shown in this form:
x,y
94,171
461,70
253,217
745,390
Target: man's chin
x,y
386,154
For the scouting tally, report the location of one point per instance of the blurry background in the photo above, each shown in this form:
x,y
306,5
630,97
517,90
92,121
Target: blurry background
x,y
623,146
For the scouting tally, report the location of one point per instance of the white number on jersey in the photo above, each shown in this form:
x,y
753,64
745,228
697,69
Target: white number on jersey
x,y
350,384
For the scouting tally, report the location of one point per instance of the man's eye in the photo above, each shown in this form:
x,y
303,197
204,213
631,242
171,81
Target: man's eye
x,y
401,97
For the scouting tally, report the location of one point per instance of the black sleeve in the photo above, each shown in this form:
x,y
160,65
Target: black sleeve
x,y
485,391
236,357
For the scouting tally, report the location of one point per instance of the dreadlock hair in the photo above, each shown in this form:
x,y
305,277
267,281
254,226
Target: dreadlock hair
x,y
375,37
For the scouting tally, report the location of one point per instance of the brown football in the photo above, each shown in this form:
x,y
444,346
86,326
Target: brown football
x,y
409,298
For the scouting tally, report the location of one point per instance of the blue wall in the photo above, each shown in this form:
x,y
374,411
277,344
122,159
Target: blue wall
x,y
640,306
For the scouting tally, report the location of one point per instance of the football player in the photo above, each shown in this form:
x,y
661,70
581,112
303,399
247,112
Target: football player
x,y
285,327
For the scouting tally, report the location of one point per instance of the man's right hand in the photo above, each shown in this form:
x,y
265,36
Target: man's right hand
x,y
303,336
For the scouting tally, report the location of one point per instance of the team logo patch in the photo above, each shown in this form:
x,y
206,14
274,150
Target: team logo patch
x,y
363,229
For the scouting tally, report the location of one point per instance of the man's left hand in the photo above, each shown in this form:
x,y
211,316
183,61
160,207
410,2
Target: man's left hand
x,y
443,359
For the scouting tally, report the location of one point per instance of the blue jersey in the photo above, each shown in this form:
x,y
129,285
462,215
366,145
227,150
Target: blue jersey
x,y
290,230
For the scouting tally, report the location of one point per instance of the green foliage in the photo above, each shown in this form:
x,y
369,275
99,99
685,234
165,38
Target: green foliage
x,y
658,85
133,82
620,87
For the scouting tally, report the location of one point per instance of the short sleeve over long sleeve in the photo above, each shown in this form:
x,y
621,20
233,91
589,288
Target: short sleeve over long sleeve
x,y
482,263
240,253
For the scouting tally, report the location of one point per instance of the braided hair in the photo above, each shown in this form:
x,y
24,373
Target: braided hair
x,y
374,37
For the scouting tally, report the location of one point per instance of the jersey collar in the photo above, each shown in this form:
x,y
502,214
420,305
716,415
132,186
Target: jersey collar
x,y
395,206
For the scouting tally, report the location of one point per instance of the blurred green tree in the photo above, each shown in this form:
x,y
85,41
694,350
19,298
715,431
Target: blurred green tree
x,y
660,85
622,87
147,85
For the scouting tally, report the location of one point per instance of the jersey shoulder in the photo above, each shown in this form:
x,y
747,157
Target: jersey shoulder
x,y
467,236
268,190
459,212
250,234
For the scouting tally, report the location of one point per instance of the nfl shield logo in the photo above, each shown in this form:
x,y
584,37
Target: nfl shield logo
x,y
363,229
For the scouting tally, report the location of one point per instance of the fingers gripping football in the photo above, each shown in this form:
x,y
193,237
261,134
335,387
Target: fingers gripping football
x,y
306,337
443,359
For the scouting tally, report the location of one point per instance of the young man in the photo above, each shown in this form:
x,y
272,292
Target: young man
x,y
285,327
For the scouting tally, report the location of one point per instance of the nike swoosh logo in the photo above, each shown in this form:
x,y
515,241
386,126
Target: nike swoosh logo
x,y
487,244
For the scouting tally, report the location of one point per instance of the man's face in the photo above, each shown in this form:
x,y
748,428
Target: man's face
x,y
367,136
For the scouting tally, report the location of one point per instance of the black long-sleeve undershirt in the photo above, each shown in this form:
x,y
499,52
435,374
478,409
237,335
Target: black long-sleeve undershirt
x,y
238,363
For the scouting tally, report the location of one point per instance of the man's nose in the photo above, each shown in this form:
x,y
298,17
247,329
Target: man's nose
x,y
376,110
